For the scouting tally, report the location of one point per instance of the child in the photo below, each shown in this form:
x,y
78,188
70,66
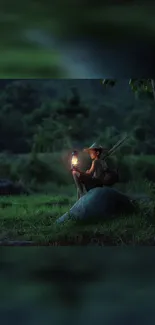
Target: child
x,y
94,177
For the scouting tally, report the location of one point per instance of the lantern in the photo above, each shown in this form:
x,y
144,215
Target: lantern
x,y
75,159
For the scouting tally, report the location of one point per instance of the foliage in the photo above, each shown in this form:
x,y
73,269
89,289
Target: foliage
x,y
138,86
31,119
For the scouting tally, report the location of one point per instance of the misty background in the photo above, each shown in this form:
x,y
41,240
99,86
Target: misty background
x,y
66,285
76,39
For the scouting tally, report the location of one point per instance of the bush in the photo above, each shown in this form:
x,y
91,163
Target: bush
x,y
5,166
124,169
144,169
37,170
41,170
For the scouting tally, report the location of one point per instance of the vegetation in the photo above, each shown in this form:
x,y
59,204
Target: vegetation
x,y
49,120
139,86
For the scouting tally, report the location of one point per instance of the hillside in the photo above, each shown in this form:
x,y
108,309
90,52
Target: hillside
x,y
55,114
87,87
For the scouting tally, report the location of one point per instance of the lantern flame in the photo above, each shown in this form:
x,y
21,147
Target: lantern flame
x,y
74,161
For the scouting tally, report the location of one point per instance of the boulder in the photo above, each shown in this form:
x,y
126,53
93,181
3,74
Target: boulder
x,y
7,187
16,243
99,204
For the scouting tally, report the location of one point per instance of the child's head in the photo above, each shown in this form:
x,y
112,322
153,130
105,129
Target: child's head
x,y
95,153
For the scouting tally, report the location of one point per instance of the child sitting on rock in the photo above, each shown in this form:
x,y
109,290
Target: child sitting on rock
x,y
96,176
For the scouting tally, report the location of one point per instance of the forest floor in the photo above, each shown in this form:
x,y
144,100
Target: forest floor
x,y
33,219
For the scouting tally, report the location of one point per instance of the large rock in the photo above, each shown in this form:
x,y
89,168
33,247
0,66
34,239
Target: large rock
x,y
7,187
99,203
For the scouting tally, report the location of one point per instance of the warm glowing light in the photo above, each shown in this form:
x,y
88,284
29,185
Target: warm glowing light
x,y
74,161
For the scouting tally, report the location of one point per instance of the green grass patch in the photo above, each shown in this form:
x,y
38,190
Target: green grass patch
x,y
34,218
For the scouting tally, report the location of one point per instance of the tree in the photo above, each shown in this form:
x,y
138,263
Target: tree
x,y
73,106
140,133
22,96
13,131
51,135
137,85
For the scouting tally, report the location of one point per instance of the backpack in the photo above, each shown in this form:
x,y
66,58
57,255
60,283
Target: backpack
x,y
111,177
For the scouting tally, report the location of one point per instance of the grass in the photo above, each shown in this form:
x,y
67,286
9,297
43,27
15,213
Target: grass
x,y
33,219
